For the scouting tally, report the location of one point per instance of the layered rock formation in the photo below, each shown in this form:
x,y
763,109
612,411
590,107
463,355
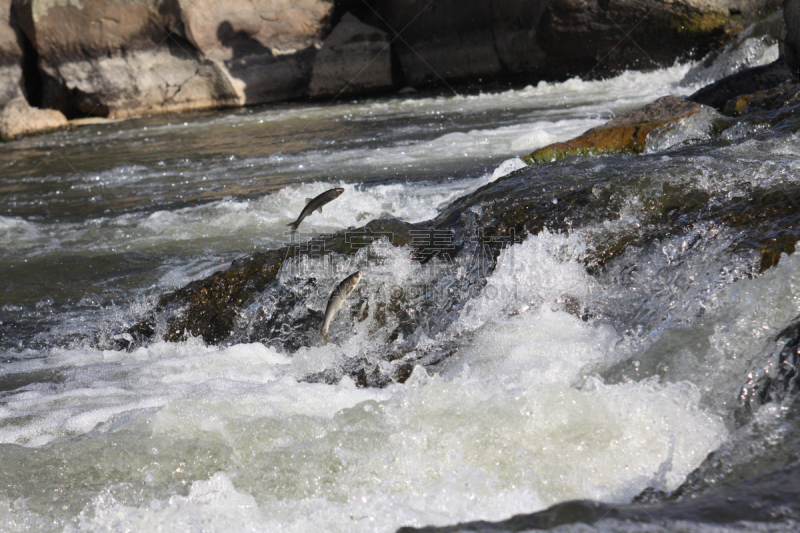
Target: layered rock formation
x,y
115,58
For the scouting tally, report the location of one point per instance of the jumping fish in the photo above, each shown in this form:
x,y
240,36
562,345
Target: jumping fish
x,y
315,204
338,300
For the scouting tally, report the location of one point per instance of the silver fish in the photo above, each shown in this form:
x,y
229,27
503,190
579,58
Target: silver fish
x,y
315,204
338,300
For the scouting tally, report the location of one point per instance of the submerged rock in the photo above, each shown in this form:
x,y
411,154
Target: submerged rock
x,y
626,133
776,378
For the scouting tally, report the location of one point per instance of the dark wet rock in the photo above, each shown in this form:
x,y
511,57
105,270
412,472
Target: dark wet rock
x,y
246,303
791,41
764,499
626,133
747,81
208,308
354,59
18,118
783,97
486,221
603,37
456,40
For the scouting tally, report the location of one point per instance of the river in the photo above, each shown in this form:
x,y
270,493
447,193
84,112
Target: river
x,y
559,382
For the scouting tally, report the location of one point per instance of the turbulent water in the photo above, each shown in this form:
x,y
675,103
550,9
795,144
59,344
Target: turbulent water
x,y
557,382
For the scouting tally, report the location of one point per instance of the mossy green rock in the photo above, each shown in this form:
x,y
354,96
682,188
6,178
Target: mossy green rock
x,y
625,134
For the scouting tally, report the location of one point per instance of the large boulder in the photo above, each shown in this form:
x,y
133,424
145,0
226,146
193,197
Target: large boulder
x,y
266,46
227,29
590,35
122,58
159,80
111,57
354,59
744,82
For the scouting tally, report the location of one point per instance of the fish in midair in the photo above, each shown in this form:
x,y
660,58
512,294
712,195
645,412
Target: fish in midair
x,y
338,300
315,204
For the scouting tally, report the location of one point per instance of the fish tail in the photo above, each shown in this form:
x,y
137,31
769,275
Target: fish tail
x,y
294,226
322,338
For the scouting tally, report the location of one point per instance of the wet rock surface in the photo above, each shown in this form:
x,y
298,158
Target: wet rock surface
x,y
604,37
748,81
626,133
207,308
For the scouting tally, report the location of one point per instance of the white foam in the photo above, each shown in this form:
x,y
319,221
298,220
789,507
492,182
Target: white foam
x,y
433,451
518,424
544,269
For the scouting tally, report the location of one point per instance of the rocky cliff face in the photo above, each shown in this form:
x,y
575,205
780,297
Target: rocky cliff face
x,y
119,58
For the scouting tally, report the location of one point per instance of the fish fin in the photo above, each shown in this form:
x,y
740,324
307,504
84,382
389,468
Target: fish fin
x,y
320,209
308,200
344,303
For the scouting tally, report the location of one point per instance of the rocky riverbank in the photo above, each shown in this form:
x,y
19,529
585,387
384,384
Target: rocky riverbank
x,y
117,59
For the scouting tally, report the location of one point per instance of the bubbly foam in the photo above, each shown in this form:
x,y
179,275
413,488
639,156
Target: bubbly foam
x,y
517,424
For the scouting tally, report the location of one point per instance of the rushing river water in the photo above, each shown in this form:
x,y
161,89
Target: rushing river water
x,y
559,382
